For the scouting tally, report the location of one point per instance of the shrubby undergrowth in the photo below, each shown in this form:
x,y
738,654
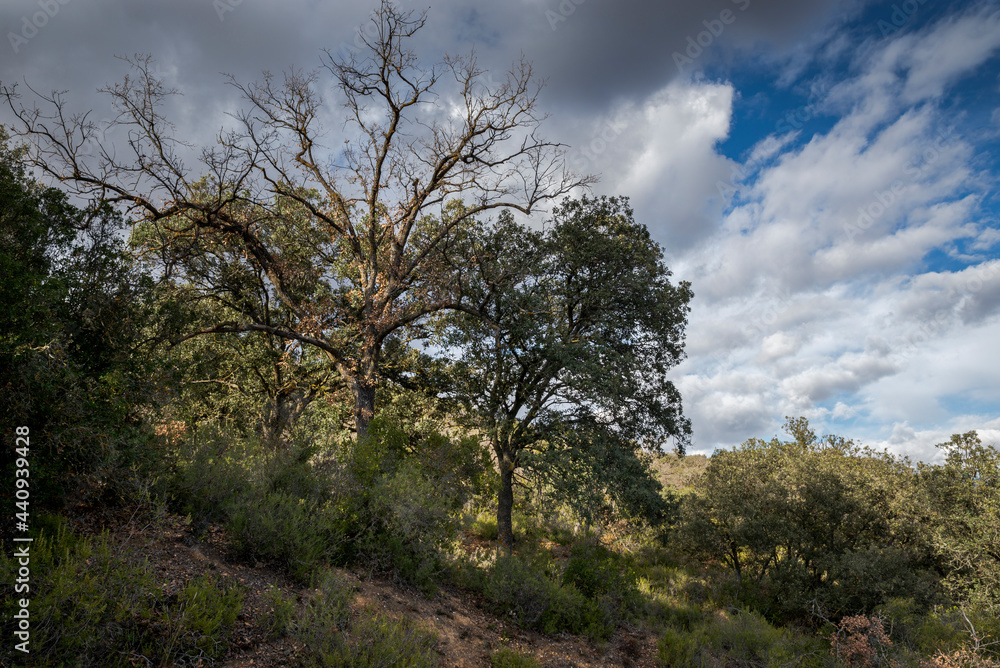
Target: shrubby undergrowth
x,y
95,602
332,637
391,502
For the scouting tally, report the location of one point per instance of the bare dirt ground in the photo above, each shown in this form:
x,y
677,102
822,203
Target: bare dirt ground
x,y
466,633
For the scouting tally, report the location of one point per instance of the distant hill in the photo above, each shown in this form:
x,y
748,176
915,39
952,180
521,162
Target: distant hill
x,y
679,473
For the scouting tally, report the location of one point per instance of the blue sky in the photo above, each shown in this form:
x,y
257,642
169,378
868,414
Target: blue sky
x,y
859,235
824,173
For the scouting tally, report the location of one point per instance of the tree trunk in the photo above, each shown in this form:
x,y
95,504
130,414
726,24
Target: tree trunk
x,y
360,379
280,413
505,505
364,406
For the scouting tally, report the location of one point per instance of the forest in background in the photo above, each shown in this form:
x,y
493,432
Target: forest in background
x,y
379,364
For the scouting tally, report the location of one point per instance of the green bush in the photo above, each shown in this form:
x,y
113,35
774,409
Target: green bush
x,y
594,592
325,615
865,578
506,657
485,526
281,527
271,501
518,590
76,314
606,578
391,502
812,520
205,610
332,639
742,639
522,590
279,621
941,630
377,641
93,603
683,617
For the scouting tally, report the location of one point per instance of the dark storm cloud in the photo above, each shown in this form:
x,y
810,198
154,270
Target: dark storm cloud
x,y
595,52
591,53
193,42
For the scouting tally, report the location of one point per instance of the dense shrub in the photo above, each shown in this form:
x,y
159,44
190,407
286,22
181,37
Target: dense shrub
x,y
942,631
391,502
963,502
74,308
812,520
740,639
331,637
523,590
506,657
606,578
94,603
280,527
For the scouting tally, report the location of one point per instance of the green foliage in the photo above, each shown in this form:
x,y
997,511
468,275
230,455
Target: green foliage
x,y
404,491
484,526
533,592
521,590
942,630
597,476
258,384
604,577
74,308
332,638
567,352
391,501
963,498
204,612
282,527
740,639
811,522
505,657
278,621
679,473
94,603
275,504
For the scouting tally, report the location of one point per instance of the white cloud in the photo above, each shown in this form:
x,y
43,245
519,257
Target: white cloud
x,y
947,52
811,297
661,153
776,346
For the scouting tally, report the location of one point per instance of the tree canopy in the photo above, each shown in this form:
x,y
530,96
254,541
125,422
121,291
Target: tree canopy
x,y
569,338
359,260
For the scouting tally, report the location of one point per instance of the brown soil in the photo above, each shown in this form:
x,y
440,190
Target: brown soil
x,y
466,633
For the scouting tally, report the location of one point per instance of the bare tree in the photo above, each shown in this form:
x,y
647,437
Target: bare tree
x,y
364,260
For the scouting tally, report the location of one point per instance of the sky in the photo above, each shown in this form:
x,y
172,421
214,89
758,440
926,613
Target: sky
x,y
823,173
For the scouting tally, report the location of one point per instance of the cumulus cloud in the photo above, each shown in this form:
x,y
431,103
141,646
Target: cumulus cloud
x,y
662,155
822,258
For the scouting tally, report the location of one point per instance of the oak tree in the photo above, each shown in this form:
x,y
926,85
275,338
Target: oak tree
x,y
568,340
362,263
